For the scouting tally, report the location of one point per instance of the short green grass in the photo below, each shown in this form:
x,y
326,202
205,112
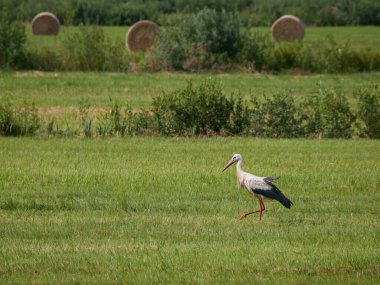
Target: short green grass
x,y
156,210
66,89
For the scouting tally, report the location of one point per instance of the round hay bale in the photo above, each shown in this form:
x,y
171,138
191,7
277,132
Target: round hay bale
x,y
141,36
45,23
288,28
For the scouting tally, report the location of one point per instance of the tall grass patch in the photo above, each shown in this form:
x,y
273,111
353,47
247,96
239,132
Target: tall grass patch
x,y
91,49
18,120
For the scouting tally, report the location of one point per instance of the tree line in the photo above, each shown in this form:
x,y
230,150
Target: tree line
x,y
252,12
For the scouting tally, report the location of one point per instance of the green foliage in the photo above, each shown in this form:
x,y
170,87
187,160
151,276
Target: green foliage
x,y
122,121
91,49
310,117
258,13
18,121
217,32
369,109
254,47
279,116
283,55
203,39
171,47
195,110
12,40
336,114
260,52
45,58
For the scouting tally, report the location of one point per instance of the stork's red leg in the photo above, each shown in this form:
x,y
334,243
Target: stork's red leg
x,y
249,213
262,207
261,210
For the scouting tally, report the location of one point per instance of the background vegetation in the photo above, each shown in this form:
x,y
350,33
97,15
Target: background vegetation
x,y
206,40
253,13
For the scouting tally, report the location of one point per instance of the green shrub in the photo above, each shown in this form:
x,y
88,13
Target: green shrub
x,y
280,116
336,115
12,40
197,110
203,39
310,117
338,57
369,109
18,121
240,118
84,50
45,59
217,32
123,121
254,47
90,49
283,55
257,118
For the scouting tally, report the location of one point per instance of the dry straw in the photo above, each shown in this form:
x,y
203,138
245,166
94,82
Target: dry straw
x,y
45,23
141,36
288,28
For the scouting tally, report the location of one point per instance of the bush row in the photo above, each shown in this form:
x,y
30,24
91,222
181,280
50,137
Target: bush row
x,y
207,110
214,40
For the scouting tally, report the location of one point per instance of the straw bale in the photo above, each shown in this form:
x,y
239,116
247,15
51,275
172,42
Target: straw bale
x,y
141,36
45,23
288,28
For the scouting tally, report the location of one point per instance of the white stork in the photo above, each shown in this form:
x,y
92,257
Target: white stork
x,y
260,187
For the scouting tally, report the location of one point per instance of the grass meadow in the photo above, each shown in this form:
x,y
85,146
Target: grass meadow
x,y
359,37
159,210
66,89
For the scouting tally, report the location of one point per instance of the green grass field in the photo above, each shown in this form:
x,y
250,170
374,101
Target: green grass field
x,y
359,37
156,210
65,89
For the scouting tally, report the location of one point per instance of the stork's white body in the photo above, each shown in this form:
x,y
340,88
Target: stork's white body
x,y
249,181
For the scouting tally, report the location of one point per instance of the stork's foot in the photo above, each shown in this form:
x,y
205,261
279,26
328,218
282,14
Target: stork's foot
x,y
242,217
247,214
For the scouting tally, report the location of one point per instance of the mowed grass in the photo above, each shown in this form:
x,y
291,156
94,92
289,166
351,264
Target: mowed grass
x,y
159,210
65,89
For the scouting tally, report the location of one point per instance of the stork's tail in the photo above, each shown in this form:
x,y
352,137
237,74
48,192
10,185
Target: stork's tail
x,y
285,201
281,197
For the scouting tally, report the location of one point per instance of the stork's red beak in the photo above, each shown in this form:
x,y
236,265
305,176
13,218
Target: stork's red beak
x,y
228,164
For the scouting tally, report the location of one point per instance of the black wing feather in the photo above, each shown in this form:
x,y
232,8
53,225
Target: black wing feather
x,y
271,179
275,194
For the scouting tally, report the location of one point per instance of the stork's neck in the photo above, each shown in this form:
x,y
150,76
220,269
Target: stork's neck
x,y
240,173
238,167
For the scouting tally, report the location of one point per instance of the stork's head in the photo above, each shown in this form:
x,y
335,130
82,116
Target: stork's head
x,y
235,158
